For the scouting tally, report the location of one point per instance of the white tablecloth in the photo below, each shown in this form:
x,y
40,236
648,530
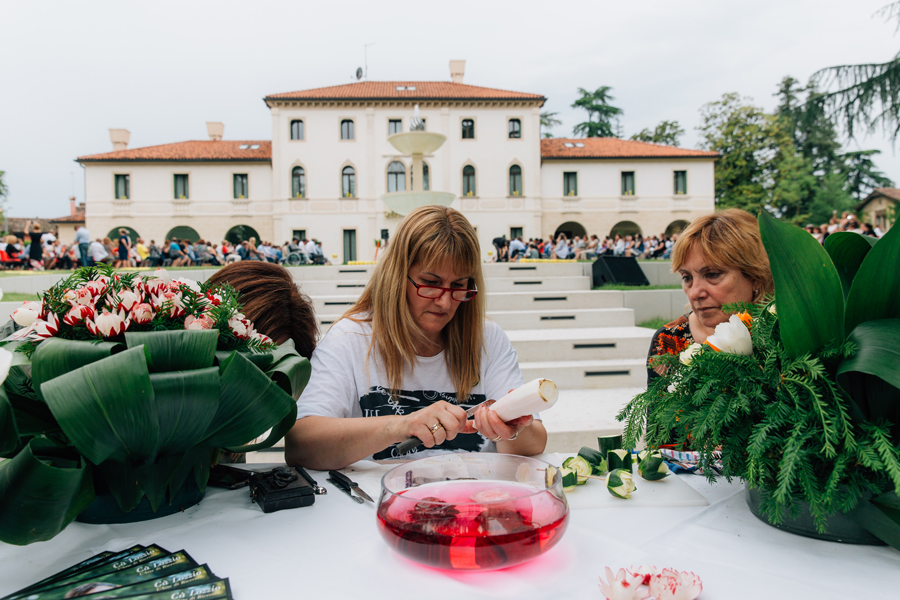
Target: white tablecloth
x,y
333,550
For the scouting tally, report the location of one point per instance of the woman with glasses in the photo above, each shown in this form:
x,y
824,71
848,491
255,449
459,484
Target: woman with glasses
x,y
410,356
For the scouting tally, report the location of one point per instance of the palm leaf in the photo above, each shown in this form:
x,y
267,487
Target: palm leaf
x,y
847,251
108,409
55,357
876,287
41,492
186,402
176,350
871,376
807,287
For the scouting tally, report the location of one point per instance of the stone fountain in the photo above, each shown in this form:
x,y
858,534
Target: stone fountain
x,y
416,143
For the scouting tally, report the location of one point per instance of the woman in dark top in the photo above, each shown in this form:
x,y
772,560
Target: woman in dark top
x,y
721,260
36,252
124,247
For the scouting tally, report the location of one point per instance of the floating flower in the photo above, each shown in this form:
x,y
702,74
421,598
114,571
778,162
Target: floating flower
x,y
688,355
108,324
142,313
732,337
77,314
28,313
621,587
620,484
45,328
201,322
674,585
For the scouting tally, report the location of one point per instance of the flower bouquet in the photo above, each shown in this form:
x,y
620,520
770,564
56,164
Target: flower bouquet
x,y
124,387
803,397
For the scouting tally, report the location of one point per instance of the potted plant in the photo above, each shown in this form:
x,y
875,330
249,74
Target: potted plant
x,y
802,395
120,392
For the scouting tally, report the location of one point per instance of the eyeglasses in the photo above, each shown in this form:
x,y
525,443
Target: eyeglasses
x,y
433,292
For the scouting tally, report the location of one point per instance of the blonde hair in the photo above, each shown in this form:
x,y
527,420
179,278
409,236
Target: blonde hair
x,y
728,239
433,237
35,227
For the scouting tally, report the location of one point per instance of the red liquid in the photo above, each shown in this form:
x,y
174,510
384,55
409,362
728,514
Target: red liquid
x,y
465,535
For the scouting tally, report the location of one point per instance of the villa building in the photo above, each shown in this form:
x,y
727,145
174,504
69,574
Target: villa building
x,y
329,162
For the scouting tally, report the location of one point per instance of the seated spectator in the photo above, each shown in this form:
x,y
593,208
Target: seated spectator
x,y
517,248
592,248
619,246
562,247
178,256
99,253
532,251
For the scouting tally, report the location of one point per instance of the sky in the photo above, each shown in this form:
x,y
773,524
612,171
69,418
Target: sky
x,y
70,71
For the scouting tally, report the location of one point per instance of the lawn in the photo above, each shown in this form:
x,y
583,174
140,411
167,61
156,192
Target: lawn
x,y
654,323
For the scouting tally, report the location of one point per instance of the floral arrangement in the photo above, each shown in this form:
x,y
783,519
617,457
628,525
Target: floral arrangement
x,y
804,400
643,583
120,392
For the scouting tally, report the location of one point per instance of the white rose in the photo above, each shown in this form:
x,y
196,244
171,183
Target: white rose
x,y
687,356
732,337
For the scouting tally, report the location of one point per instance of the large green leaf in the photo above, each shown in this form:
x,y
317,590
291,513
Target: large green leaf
x,y
186,402
250,404
196,461
875,293
121,479
41,491
877,520
291,372
177,350
55,357
872,376
807,287
108,409
9,433
155,478
847,251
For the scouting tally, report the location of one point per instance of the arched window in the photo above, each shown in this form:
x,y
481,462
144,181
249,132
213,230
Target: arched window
x,y
515,180
424,176
468,129
296,129
239,233
515,128
348,182
396,173
298,183
468,180
347,129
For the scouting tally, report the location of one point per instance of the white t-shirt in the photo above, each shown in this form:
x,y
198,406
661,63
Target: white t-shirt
x,y
98,252
341,386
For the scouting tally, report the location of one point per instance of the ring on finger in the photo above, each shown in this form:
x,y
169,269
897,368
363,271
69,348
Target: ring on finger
x,y
497,439
514,436
435,427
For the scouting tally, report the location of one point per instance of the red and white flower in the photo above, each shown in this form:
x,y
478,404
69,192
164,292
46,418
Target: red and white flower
x,y
128,299
213,299
263,339
142,313
78,313
82,296
241,326
45,328
674,585
28,313
175,310
176,284
622,586
201,322
97,287
108,324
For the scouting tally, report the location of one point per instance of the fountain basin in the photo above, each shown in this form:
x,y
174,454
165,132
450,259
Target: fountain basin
x,y
404,203
417,142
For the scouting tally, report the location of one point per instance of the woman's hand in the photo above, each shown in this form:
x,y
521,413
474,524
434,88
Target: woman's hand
x,y
423,424
491,426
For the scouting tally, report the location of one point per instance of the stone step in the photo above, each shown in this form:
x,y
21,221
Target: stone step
x,y
569,319
589,374
529,284
535,269
593,343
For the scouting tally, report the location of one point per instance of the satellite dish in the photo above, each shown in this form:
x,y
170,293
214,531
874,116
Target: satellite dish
x,y
359,73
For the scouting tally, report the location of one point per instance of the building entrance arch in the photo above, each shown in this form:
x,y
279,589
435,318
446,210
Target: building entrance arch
x,y
183,232
114,234
240,233
570,229
676,227
624,228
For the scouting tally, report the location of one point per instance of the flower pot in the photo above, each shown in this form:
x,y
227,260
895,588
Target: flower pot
x,y
105,510
839,528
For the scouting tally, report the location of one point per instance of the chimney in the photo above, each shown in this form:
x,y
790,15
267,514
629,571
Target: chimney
x,y
215,130
457,70
72,207
119,138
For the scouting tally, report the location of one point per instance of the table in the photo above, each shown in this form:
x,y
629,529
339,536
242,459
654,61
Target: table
x,y
333,550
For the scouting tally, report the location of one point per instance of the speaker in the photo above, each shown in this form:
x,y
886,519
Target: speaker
x,y
618,269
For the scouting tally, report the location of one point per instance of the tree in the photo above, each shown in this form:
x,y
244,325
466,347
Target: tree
x,y
600,113
549,121
803,113
3,194
864,96
862,176
666,133
829,198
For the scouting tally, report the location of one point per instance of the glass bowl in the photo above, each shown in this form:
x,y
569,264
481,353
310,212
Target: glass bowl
x,y
472,511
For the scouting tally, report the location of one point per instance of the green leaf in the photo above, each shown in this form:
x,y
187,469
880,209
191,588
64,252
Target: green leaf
x,y
55,357
807,287
250,404
154,479
871,376
847,251
123,483
9,433
176,350
196,459
107,408
291,372
186,402
876,287
877,520
42,490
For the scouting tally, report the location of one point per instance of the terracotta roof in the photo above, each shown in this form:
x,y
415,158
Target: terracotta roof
x,y
412,90
76,218
607,148
17,224
195,151
892,193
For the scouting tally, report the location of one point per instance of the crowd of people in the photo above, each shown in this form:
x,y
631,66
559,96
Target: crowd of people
x,y
43,251
584,248
847,222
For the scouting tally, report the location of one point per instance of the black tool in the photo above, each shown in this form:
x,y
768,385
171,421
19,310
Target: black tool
x,y
350,484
